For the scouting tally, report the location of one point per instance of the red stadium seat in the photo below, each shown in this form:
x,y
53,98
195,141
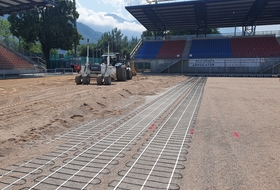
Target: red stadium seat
x,y
257,46
10,61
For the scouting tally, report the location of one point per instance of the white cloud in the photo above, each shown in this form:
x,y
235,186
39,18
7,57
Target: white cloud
x,y
106,23
119,5
115,3
123,3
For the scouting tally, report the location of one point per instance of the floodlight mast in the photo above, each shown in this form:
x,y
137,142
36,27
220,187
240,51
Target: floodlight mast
x,y
75,26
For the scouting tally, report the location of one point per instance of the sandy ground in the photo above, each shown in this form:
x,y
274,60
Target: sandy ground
x,y
36,109
236,140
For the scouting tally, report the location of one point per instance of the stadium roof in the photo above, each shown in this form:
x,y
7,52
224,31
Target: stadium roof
x,y
194,14
12,6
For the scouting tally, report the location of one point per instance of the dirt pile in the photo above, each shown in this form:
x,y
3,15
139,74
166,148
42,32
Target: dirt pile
x,y
36,109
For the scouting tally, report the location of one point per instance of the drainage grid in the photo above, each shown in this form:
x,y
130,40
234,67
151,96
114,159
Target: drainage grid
x,y
93,148
159,161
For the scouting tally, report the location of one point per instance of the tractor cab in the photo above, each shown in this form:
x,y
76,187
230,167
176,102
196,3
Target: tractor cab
x,y
114,58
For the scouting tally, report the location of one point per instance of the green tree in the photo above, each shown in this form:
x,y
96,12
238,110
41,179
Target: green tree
x,y
32,47
83,49
52,27
213,31
6,36
147,33
129,45
5,28
117,41
103,41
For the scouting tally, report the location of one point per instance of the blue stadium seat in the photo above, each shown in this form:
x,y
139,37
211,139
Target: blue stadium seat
x,y
149,50
211,48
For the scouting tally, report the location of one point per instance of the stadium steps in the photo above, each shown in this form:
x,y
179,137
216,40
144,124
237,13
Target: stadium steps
x,y
167,65
135,50
169,68
275,68
185,56
187,48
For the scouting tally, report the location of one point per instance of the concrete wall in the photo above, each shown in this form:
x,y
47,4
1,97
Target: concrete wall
x,y
268,66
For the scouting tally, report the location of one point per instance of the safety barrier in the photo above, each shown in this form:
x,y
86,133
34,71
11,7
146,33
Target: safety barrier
x,y
35,73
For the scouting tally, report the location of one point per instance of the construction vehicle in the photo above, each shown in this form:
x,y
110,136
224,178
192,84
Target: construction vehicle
x,y
110,69
76,67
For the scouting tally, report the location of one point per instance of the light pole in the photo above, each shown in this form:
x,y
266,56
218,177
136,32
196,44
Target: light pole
x,y
75,26
87,59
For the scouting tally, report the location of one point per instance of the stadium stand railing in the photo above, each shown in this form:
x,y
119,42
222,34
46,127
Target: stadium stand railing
x,y
165,65
272,68
134,51
149,50
9,60
33,59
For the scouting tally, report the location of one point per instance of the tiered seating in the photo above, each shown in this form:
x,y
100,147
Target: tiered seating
x,y
9,60
249,47
234,47
211,48
172,49
149,50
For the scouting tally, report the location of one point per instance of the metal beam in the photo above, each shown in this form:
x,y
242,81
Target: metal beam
x,y
202,14
9,6
155,19
200,10
249,23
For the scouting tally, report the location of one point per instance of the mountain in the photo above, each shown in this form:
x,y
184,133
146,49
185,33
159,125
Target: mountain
x,y
88,33
117,18
120,19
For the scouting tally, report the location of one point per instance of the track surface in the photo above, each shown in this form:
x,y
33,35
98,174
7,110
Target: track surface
x,y
145,149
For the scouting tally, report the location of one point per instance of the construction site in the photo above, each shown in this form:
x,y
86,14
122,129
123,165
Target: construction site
x,y
202,112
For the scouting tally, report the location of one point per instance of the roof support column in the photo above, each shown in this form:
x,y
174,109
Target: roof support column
x,y
201,18
159,27
248,30
249,24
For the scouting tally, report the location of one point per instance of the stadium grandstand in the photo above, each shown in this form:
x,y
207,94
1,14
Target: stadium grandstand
x,y
245,53
13,60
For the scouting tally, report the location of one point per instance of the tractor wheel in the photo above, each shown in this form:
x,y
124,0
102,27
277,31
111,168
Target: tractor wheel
x,y
121,73
107,80
86,79
99,79
129,74
78,79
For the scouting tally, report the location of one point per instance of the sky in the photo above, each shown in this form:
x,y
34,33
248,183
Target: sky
x,y
92,13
